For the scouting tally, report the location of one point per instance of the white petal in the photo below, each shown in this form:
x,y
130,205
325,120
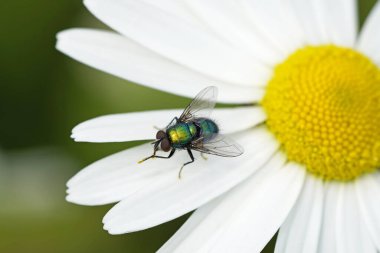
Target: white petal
x,y
328,237
118,176
369,39
227,18
114,177
352,235
275,20
178,40
120,56
244,219
264,211
141,125
183,240
201,182
339,20
300,231
326,21
368,192
309,19
177,8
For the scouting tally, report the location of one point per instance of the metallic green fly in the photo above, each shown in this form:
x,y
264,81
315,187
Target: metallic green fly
x,y
194,130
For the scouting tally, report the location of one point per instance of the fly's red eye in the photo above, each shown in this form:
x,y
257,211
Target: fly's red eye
x,y
160,135
165,145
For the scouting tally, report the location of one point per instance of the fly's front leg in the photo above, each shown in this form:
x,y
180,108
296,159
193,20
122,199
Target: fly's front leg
x,y
192,160
157,156
166,157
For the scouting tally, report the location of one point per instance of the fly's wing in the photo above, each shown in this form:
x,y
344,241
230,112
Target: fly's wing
x,y
201,106
219,145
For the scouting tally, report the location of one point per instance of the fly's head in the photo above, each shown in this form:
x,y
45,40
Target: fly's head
x,y
162,141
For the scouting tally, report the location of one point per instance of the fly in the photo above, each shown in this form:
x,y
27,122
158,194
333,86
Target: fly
x,y
194,130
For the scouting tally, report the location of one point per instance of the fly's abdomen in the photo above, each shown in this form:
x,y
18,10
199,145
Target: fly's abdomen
x,y
208,128
181,134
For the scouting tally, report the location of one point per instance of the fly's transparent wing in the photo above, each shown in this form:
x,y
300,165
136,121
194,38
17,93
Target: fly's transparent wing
x,y
219,145
201,106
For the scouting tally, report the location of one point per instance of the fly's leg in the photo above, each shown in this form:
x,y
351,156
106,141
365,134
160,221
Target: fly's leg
x,y
192,160
203,156
166,157
157,156
171,122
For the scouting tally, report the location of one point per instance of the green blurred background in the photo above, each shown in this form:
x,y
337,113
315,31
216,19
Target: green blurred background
x,y
43,95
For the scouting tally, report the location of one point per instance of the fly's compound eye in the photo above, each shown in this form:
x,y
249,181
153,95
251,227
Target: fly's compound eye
x,y
165,145
160,135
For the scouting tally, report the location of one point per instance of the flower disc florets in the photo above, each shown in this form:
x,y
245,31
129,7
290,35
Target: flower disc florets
x,y
323,106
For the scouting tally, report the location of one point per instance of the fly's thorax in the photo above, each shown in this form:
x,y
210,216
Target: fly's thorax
x,y
181,134
208,128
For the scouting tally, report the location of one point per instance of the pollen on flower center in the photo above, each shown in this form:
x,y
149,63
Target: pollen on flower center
x,y
323,106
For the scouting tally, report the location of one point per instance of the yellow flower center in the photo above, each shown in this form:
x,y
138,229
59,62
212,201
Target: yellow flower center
x,y
323,106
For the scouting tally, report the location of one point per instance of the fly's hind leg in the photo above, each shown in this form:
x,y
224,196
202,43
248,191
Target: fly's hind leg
x,y
192,160
157,156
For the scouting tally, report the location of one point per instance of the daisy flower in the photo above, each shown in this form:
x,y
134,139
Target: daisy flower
x,y
311,131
